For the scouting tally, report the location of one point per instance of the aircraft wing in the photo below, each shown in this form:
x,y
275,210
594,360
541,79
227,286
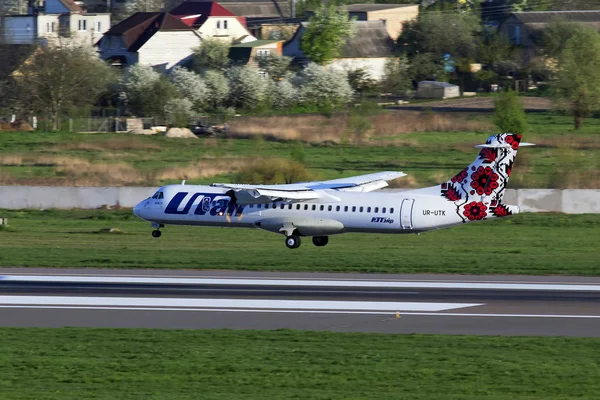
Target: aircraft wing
x,y
254,194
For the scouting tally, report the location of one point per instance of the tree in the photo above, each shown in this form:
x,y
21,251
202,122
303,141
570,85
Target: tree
x,y
248,88
425,66
361,82
322,87
283,94
191,86
510,115
327,31
58,78
441,33
556,35
133,6
275,66
396,77
179,112
13,7
146,91
211,54
218,87
578,77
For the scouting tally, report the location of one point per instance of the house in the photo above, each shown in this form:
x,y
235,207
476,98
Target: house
x,y
394,15
209,18
58,21
524,28
369,48
246,53
151,38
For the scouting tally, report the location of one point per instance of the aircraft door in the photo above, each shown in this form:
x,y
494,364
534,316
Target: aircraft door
x,y
406,213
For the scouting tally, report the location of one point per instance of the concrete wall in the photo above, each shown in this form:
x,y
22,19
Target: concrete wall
x,y
578,201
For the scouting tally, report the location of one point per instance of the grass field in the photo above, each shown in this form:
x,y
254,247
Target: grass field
x,y
524,244
563,159
73,363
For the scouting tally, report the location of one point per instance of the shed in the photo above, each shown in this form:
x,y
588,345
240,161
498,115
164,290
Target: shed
x,y
437,90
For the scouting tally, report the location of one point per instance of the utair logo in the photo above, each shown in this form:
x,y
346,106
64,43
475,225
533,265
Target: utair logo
x,y
207,203
382,220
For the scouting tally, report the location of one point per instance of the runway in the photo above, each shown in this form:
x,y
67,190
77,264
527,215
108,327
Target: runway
x,y
447,304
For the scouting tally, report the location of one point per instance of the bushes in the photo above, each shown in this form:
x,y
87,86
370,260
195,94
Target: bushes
x,y
273,171
510,115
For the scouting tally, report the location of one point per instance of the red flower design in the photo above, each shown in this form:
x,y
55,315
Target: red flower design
x,y
475,211
484,181
460,177
513,140
488,155
501,211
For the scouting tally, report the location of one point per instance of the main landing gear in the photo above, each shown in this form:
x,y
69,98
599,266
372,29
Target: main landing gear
x,y
293,241
156,233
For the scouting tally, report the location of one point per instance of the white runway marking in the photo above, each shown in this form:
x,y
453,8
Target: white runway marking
x,y
234,304
434,314
303,283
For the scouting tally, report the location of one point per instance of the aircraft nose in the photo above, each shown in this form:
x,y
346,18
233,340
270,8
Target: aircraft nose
x,y
137,210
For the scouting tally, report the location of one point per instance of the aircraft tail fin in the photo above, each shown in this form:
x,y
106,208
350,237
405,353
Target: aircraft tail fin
x,y
479,188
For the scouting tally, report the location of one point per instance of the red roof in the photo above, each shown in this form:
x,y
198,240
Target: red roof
x,y
195,13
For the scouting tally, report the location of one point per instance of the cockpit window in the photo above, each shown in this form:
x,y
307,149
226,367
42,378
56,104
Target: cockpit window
x,y
158,195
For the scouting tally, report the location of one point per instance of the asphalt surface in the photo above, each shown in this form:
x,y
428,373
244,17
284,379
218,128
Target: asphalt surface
x,y
445,304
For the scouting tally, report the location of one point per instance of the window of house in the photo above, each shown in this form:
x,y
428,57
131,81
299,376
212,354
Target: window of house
x,y
218,24
376,209
225,24
263,53
99,26
82,24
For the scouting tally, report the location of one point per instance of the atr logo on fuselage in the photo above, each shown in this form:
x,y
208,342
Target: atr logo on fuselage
x,y
210,203
382,220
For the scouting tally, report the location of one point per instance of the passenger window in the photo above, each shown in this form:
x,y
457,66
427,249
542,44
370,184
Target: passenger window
x,y
337,208
289,206
259,206
383,210
345,208
329,208
314,207
297,206
361,209
251,205
376,209
368,209
305,207
353,208
322,208
391,210
282,206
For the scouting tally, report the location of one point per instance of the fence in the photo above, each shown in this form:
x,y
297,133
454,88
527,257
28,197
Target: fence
x,y
577,201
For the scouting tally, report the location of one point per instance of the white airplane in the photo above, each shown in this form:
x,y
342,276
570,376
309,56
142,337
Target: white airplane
x,y
321,209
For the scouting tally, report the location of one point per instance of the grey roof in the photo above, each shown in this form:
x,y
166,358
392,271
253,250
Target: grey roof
x,y
371,40
375,7
255,8
542,17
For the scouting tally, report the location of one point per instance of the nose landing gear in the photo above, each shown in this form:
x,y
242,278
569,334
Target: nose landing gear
x,y
292,241
156,232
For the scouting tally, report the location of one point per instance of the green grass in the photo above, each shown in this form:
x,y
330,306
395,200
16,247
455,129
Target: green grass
x,y
524,244
75,363
565,158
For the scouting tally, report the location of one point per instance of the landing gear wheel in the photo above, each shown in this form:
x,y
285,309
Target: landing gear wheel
x,y
320,241
156,233
292,242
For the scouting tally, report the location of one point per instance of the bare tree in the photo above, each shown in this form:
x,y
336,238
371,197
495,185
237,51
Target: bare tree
x,y
57,78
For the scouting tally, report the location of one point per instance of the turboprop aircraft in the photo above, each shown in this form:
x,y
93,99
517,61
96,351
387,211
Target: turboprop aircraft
x,y
322,209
